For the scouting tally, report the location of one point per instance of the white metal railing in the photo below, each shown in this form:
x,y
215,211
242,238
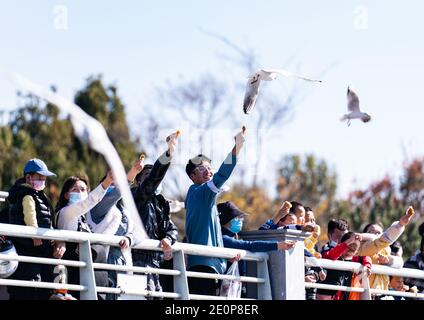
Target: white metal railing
x,y
3,196
87,287
358,268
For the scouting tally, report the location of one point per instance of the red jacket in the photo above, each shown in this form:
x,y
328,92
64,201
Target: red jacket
x,y
335,254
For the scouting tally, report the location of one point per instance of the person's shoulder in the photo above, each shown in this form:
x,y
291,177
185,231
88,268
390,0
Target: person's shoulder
x,y
197,187
24,191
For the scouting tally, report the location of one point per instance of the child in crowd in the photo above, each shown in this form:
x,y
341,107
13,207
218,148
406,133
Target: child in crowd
x,y
311,241
29,206
346,250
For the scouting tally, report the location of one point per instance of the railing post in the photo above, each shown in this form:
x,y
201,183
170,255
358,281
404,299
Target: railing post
x,y
366,295
87,278
264,289
286,267
180,281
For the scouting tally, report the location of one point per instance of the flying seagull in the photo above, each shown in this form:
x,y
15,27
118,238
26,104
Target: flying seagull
x,y
252,87
353,108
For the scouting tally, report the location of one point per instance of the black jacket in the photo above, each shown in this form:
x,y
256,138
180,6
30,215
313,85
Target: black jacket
x,y
43,208
415,262
154,211
4,213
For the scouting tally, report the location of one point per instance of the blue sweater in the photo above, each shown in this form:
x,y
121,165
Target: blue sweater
x,y
202,223
254,246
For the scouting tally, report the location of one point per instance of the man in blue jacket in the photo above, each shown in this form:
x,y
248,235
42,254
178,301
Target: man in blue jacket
x,y
202,223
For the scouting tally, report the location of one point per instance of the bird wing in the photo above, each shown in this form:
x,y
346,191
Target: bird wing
x,y
92,131
352,100
287,74
252,91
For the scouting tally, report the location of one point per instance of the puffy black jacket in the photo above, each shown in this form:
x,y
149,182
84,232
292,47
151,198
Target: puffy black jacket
x,y
43,208
154,212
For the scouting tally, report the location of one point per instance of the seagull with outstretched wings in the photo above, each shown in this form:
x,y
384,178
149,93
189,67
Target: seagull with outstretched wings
x,y
353,108
252,87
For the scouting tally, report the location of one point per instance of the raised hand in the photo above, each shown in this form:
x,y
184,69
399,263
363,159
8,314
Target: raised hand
x,y
410,212
284,209
136,168
171,140
240,138
286,245
108,180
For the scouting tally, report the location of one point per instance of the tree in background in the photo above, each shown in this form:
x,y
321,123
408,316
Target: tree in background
x,y
386,201
105,105
252,200
37,130
309,180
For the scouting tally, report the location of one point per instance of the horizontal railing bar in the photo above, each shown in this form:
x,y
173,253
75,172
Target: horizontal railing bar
x,y
145,293
376,269
43,285
29,259
372,291
400,272
335,265
397,293
332,287
205,275
203,297
106,266
200,250
57,234
146,244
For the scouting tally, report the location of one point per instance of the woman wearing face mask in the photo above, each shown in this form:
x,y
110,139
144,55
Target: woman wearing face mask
x,y
74,203
29,206
109,216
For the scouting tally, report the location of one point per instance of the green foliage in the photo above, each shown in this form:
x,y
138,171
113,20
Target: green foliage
x,y
254,201
309,181
37,130
384,202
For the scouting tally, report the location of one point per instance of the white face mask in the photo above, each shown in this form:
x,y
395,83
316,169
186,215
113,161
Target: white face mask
x,y
38,184
75,197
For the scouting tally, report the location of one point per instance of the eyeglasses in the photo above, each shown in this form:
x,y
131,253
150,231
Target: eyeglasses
x,y
240,218
202,168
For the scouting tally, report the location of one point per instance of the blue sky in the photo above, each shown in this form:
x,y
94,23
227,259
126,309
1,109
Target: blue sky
x,y
374,45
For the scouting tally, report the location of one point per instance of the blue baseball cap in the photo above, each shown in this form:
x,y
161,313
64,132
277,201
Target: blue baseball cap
x,y
37,166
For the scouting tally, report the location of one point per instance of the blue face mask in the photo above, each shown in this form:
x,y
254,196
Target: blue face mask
x,y
236,225
75,197
110,189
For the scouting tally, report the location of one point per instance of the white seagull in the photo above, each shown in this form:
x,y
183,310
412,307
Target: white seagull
x,y
252,87
353,107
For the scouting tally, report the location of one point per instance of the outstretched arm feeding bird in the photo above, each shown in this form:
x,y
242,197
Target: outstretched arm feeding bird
x,y
252,87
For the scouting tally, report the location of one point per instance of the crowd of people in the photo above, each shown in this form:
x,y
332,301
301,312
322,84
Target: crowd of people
x,y
207,223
